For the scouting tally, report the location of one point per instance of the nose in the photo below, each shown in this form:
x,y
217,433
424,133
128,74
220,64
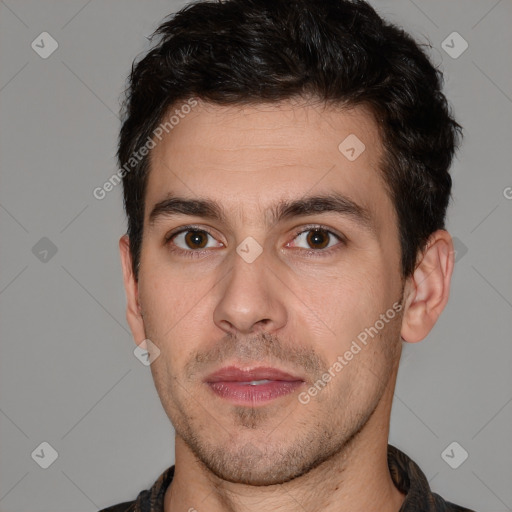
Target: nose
x,y
251,299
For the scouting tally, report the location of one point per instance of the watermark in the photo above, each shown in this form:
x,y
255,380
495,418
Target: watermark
x,y
44,45
355,348
459,249
136,157
351,147
507,192
44,455
146,352
44,250
454,45
249,249
454,455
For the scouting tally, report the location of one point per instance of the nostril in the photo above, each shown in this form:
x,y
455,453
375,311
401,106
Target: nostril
x,y
261,324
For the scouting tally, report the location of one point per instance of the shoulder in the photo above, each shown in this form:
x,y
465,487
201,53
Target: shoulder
x,y
442,505
127,506
148,500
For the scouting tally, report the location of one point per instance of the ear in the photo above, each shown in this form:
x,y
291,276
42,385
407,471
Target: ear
x,y
131,286
428,288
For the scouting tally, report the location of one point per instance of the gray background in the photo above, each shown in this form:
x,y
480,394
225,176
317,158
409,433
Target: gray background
x,y
68,375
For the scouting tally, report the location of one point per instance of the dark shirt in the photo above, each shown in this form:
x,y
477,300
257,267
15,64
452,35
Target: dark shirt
x,y
406,475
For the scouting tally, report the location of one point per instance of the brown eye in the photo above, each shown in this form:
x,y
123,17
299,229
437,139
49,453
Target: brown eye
x,y
193,240
318,238
196,239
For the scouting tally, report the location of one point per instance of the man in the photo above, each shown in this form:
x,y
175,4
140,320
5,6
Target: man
x,y
285,172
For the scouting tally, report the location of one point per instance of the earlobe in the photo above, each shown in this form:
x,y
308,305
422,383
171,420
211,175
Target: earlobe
x,y
428,289
131,286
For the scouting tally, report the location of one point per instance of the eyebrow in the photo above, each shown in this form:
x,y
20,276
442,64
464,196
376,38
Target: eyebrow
x,y
286,209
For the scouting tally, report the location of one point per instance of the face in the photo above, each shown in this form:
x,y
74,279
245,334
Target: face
x,y
290,261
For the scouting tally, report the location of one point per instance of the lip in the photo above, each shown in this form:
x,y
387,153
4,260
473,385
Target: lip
x,y
237,374
233,384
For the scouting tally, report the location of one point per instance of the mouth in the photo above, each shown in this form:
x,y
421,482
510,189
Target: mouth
x,y
252,386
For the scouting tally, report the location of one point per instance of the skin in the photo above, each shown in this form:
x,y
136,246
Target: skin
x,y
297,307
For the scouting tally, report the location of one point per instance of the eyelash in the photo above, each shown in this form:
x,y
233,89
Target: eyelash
x,y
304,229
182,252
320,253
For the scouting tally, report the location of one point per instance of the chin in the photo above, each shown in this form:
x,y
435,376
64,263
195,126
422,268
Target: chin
x,y
250,465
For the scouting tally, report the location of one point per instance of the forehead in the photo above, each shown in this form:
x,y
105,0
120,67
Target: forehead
x,y
250,156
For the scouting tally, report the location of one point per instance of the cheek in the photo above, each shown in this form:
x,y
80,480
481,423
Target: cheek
x,y
351,311
365,368
169,295
178,315
347,299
